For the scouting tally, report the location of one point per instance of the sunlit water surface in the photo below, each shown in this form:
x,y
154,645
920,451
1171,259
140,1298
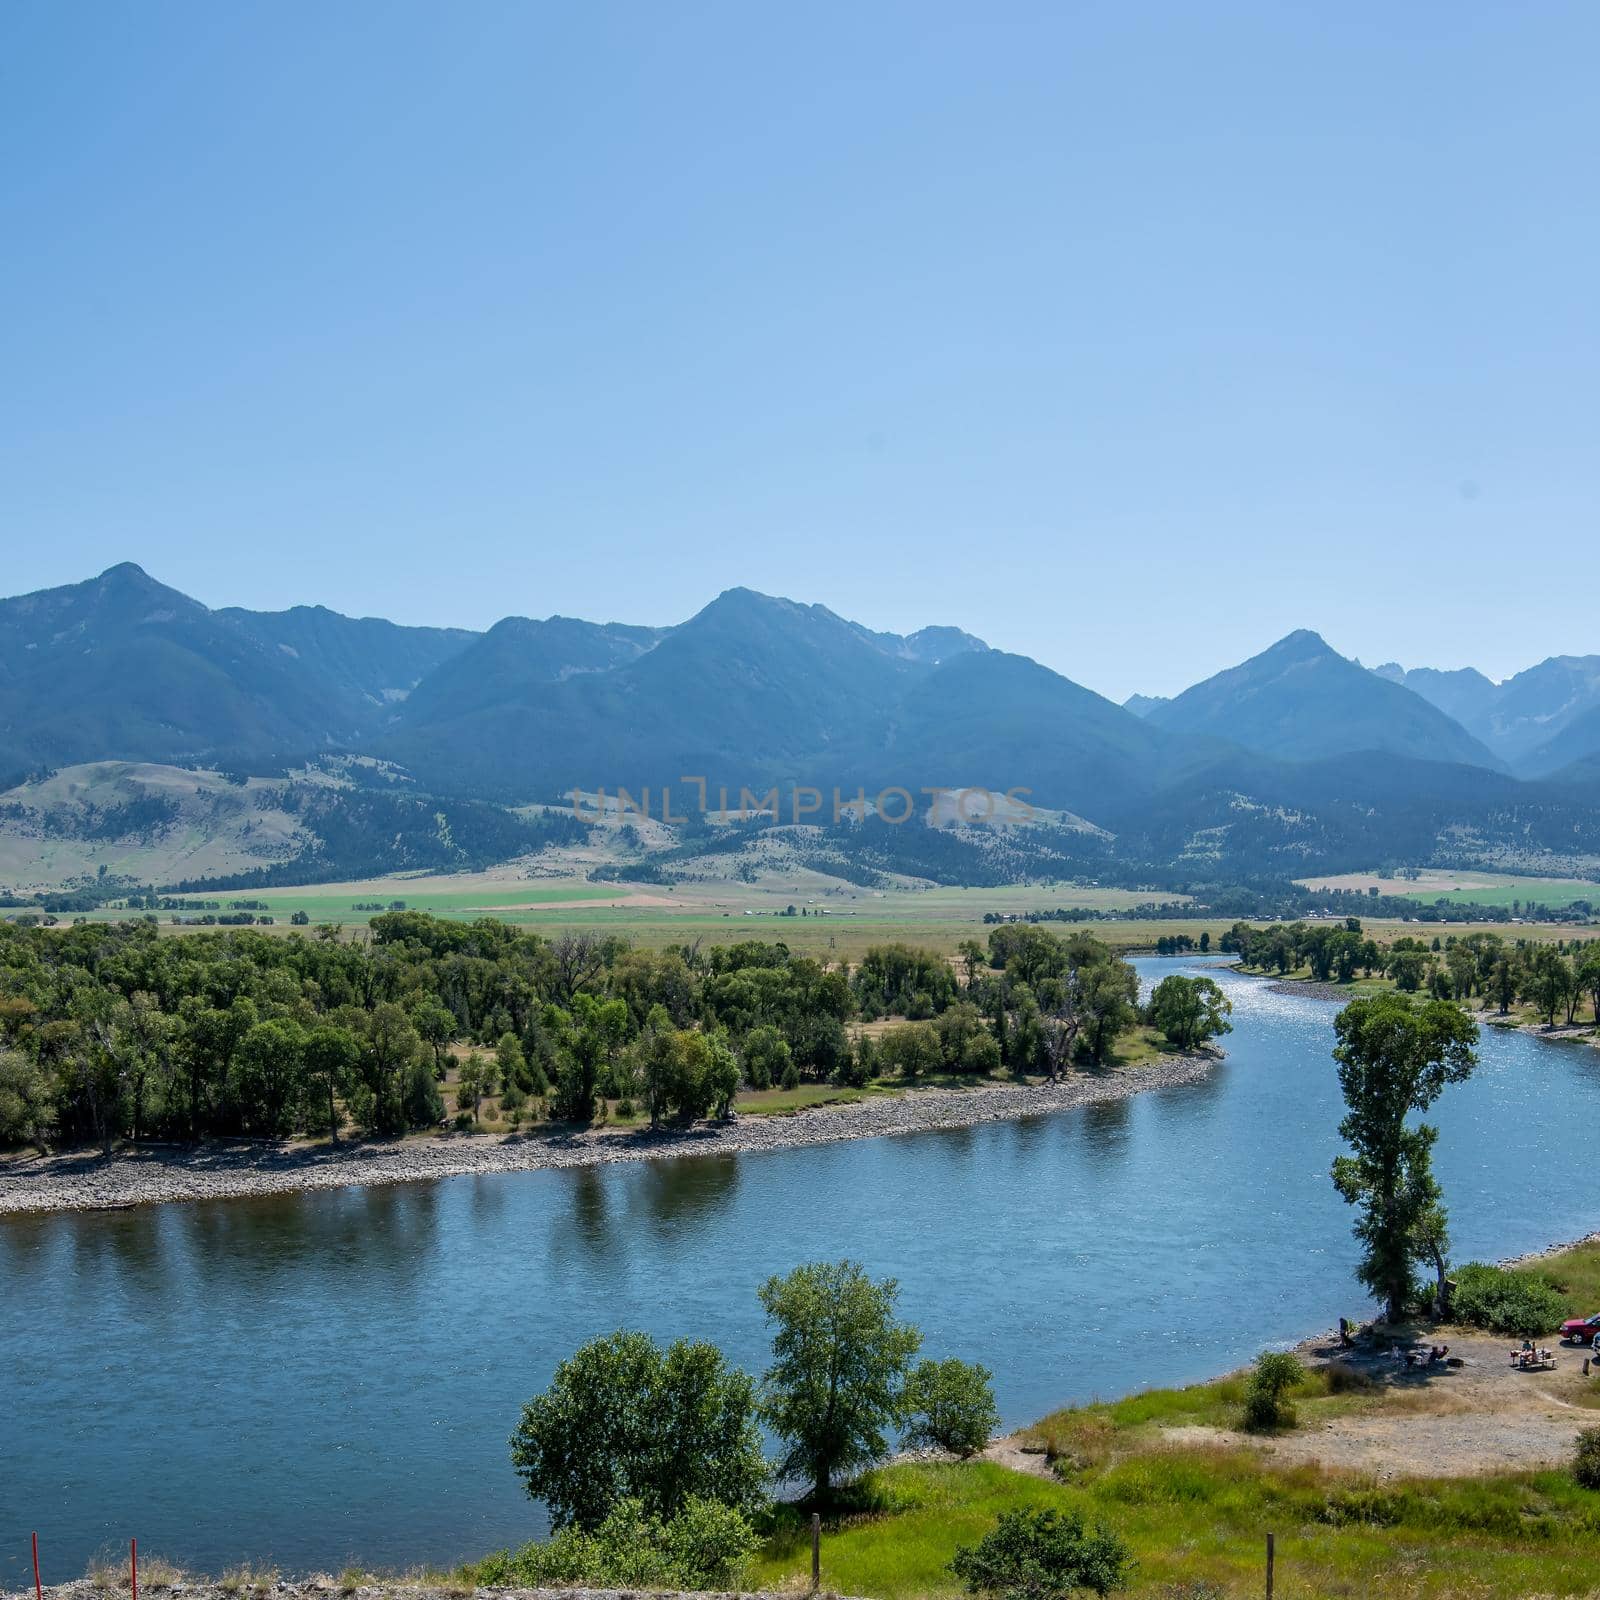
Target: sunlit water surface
x,y
311,1379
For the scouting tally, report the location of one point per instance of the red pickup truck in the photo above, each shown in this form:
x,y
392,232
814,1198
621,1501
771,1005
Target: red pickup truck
x,y
1582,1330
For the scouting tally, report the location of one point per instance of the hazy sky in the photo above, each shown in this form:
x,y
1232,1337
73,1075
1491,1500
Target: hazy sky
x,y
1127,337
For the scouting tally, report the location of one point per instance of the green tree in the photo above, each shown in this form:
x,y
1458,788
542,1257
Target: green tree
x,y
1549,981
1586,975
473,1084
510,1064
838,1371
949,1405
1395,1056
1110,989
436,1026
1043,1555
389,1051
26,1113
1408,968
1190,1010
911,1049
623,1419
766,1056
330,1056
266,1080
722,1075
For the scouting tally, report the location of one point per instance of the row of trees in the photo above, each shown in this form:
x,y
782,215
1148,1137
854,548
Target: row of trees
x,y
1558,977
109,1031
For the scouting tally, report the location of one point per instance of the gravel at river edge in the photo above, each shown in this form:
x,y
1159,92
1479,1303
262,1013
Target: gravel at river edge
x,y
85,1181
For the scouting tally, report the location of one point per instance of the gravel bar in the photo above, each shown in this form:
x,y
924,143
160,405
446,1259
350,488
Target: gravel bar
x,y
86,1181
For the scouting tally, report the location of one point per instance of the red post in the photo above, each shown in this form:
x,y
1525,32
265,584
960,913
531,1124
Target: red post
x,y
38,1588
133,1565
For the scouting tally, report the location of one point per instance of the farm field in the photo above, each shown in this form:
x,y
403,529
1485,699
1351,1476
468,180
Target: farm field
x,y
842,920
1476,888
657,913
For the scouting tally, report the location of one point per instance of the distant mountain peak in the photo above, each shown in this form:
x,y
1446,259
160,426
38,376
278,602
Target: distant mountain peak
x,y
941,643
1141,705
124,572
1303,644
1299,699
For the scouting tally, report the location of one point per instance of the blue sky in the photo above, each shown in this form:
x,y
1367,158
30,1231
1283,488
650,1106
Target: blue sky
x,y
1129,337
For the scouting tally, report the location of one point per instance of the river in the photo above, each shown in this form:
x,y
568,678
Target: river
x,y
318,1378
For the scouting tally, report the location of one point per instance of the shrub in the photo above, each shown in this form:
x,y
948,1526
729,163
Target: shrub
x,y
1519,1303
1266,1406
1586,1459
706,1546
950,1405
1040,1555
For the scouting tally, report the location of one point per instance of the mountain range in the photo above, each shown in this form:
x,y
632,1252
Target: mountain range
x,y
1296,754
1539,721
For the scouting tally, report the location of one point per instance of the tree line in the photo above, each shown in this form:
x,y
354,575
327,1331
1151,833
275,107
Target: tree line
x,y
112,1031
1558,977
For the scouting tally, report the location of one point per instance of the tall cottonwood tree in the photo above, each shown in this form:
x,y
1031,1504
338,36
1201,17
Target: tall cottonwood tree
x,y
839,1363
1395,1056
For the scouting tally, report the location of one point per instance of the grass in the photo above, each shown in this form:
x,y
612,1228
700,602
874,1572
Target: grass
x,y
1200,1517
785,1102
1196,1516
1576,1273
246,1580
110,1570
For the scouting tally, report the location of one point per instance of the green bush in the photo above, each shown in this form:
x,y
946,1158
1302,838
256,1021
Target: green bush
x,y
1586,1459
950,1406
1519,1303
1266,1406
706,1546
1042,1555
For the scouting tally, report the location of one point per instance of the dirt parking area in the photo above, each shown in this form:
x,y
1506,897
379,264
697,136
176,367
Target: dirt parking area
x,y
1483,1416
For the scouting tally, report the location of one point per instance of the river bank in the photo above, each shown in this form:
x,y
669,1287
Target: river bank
x,y
86,1181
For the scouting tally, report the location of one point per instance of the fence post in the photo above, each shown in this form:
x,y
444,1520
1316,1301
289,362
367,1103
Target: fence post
x,y
133,1566
38,1588
816,1550
1271,1555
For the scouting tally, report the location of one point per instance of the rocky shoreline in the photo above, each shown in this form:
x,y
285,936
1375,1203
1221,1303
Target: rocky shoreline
x,y
85,1181
1561,1033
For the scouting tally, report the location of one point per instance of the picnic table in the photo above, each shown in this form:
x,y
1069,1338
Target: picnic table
x,y
1533,1361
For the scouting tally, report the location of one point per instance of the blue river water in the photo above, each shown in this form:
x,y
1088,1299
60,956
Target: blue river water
x,y
313,1379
